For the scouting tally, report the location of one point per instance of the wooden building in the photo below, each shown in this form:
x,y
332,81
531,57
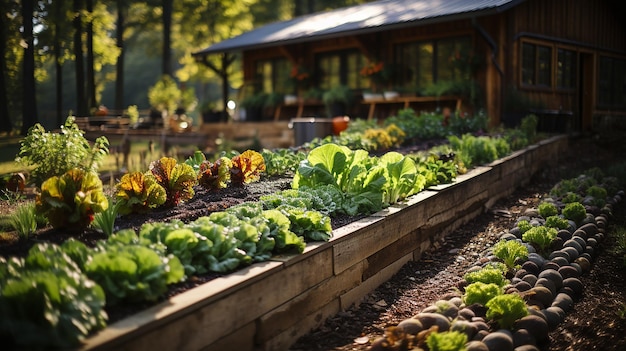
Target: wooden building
x,y
565,60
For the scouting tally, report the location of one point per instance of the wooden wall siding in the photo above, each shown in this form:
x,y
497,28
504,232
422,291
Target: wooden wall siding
x,y
595,23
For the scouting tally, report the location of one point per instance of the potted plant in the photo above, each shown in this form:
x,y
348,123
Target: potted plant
x,y
337,100
254,105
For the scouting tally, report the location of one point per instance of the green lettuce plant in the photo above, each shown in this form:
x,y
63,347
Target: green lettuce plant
x,y
574,211
71,200
540,236
488,274
509,251
506,309
556,222
446,341
547,209
479,292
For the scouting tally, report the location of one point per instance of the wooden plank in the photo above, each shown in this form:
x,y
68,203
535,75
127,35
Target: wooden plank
x,y
383,258
293,311
355,295
241,339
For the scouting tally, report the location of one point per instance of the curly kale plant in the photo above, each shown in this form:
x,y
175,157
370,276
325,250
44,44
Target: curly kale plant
x,y
71,200
53,154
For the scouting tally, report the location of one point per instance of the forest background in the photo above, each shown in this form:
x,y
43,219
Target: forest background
x,y
123,48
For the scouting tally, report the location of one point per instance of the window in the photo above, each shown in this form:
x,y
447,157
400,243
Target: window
x,y
428,62
338,68
273,76
536,65
612,83
566,69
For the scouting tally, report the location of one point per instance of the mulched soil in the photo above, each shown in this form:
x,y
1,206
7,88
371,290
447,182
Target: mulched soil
x,y
595,323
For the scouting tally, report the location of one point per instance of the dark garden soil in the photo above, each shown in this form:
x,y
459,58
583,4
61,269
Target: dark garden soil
x,y
597,321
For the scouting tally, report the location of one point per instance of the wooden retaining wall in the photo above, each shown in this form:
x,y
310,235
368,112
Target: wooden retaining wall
x,y
269,305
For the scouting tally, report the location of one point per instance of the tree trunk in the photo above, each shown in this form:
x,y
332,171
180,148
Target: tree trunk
x,y
92,103
5,120
167,32
119,66
58,67
81,101
29,107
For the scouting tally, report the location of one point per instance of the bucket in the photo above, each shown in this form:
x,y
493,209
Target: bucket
x,y
306,129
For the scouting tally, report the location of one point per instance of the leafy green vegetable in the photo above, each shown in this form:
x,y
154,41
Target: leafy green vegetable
x,y
312,225
524,226
509,251
246,168
402,177
71,200
177,179
556,222
46,301
139,192
479,292
547,209
446,341
541,236
354,173
574,211
133,273
215,175
487,274
506,309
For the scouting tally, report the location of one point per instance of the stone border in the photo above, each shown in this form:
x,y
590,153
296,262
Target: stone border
x,y
269,305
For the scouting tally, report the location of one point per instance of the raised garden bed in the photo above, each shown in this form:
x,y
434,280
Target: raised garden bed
x,y
269,305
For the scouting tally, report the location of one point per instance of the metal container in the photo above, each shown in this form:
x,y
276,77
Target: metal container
x,y
306,129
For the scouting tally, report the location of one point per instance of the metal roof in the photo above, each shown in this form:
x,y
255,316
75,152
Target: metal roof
x,y
358,19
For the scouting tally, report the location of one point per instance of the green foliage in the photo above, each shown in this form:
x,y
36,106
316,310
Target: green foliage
x,y
462,124
165,95
541,236
132,272
403,178
105,221
479,292
46,302
479,150
556,222
354,173
71,200
24,219
570,197
509,251
177,179
574,211
547,209
506,309
312,225
528,126
524,226
138,192
53,154
446,341
487,275
598,194
437,171
282,161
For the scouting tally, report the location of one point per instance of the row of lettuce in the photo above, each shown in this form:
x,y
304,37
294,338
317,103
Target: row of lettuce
x,y
59,292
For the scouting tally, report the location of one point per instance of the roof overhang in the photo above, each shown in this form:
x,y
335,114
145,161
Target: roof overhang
x,y
357,20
